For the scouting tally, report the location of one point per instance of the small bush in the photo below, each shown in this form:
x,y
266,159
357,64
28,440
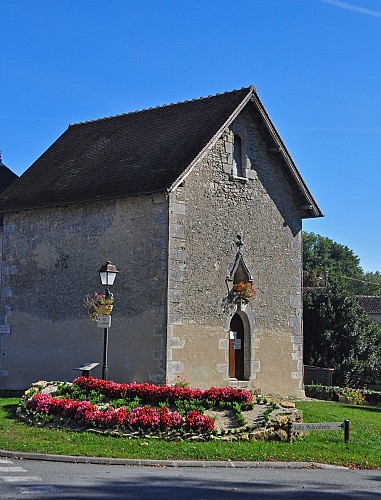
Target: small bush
x,y
328,393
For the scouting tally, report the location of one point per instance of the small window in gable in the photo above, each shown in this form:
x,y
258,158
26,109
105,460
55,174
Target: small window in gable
x,y
239,156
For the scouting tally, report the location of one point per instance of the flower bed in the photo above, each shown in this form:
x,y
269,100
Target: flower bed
x,y
144,418
168,412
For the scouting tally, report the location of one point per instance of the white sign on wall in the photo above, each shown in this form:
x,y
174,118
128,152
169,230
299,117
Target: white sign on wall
x,y
237,344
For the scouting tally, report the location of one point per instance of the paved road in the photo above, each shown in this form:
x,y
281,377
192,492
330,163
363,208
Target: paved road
x,y
31,479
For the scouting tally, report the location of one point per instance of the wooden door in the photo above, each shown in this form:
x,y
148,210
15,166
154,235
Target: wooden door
x,y
236,348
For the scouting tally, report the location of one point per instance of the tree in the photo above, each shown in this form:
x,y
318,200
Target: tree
x,y
338,334
323,257
372,283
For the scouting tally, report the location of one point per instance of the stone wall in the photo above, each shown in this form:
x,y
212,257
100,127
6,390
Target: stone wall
x,y
51,260
206,213
4,328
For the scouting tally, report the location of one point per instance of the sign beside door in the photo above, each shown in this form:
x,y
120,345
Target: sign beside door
x,y
237,344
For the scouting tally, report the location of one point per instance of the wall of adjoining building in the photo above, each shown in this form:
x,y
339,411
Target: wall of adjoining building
x,y
51,260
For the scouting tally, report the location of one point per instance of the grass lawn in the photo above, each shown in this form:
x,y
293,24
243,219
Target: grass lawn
x,y
362,451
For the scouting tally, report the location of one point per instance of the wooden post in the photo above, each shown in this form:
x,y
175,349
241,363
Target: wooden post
x,y
289,431
346,431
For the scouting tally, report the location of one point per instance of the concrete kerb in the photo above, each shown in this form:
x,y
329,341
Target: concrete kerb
x,y
166,463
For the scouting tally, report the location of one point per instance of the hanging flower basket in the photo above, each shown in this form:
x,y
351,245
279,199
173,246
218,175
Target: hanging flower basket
x,y
98,305
243,292
105,309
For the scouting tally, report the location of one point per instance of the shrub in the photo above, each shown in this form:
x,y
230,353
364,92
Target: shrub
x,y
332,393
353,396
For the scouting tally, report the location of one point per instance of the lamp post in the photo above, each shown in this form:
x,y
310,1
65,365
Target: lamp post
x,y
107,273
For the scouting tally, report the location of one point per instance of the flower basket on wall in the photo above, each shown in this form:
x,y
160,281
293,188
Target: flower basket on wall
x,y
242,292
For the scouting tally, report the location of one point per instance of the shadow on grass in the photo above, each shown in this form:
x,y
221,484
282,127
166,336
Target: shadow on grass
x,y
9,410
373,409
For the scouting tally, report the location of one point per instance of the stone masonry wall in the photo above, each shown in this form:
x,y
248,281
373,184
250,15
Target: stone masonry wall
x,y
51,260
206,214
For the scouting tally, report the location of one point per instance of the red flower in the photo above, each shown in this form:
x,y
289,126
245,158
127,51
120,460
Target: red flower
x,y
151,393
196,421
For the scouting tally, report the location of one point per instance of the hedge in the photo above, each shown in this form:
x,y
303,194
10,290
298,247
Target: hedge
x,y
331,393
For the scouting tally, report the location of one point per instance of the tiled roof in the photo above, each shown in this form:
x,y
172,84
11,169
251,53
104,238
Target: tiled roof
x,y
130,154
7,177
371,303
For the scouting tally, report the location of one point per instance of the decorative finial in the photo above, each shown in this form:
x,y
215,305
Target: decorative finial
x,y
239,242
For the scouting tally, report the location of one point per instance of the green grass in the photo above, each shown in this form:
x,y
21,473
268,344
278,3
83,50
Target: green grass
x,y
363,449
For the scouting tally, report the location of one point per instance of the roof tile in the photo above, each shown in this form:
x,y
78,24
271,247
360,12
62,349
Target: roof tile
x,y
129,154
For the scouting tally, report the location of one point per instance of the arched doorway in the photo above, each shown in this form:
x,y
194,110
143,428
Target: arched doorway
x,y
236,348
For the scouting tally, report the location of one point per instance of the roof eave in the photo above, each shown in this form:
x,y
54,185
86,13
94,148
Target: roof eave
x,y
95,199
309,207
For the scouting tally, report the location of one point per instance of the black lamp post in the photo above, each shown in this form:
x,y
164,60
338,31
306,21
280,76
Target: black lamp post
x,y
107,273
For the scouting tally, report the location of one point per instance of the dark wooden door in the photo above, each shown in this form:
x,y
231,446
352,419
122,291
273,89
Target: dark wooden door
x,y
236,348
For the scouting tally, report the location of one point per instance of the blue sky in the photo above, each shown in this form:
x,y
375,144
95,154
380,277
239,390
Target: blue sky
x,y
315,64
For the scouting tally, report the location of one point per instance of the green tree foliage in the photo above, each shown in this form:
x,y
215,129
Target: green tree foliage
x,y
339,335
325,259
337,332
372,284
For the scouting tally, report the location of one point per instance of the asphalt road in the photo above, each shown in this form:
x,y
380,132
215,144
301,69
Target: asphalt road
x,y
33,479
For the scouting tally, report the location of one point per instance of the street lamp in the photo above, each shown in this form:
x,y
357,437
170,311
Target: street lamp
x,y
107,273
